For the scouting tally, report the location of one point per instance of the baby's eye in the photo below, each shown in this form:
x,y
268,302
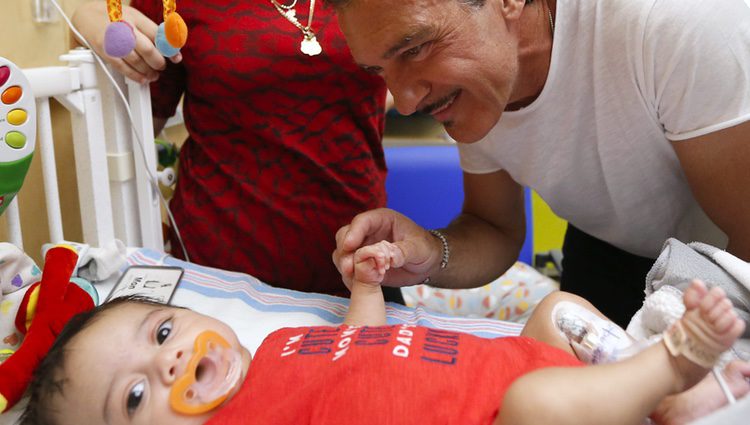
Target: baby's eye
x,y
134,397
163,331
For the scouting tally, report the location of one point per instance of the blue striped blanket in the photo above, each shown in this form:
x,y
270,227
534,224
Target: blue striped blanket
x,y
254,309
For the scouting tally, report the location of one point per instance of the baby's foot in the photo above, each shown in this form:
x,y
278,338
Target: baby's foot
x,y
372,261
708,328
705,397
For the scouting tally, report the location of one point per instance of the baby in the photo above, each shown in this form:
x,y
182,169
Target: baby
x,y
136,362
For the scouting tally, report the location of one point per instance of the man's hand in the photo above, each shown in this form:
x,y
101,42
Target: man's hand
x,y
420,252
145,62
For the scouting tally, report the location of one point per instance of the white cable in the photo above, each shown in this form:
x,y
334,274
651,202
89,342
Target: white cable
x,y
723,385
152,178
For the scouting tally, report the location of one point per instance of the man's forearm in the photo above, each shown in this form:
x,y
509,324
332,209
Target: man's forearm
x,y
479,253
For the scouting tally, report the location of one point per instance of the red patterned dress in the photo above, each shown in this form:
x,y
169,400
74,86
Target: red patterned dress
x,y
283,148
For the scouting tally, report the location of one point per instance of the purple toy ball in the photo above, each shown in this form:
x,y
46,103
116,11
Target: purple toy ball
x,y
162,44
119,39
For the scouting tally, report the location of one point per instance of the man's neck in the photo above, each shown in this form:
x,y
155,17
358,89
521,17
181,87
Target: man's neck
x,y
534,54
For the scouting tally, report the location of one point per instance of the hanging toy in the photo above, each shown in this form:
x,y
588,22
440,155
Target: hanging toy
x,y
119,38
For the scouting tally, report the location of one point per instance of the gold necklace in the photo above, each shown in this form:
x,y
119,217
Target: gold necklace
x,y
549,12
309,44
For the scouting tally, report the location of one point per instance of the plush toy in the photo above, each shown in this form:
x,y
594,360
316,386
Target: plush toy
x,y
45,309
119,38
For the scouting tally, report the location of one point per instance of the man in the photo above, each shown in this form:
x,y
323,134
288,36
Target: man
x,y
631,118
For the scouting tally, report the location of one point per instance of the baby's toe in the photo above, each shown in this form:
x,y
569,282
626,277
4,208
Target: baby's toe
x,y
694,294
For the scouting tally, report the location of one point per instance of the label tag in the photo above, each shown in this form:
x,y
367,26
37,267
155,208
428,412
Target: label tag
x,y
155,282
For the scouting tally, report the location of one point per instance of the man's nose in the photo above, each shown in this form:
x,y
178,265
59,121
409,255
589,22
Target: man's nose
x,y
408,92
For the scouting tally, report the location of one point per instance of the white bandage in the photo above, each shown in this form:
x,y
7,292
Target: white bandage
x,y
594,339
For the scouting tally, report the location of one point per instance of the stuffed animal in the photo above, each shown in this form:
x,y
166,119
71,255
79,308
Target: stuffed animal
x,y
119,38
46,308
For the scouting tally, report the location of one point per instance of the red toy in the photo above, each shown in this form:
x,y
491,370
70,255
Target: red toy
x,y
44,311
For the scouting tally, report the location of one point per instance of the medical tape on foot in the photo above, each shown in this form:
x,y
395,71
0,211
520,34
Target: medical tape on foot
x,y
214,370
691,344
594,339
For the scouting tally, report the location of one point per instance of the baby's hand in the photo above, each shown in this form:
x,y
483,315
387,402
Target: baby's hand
x,y
372,261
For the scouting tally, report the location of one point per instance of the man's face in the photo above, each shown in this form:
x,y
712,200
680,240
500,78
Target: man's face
x,y
121,368
456,62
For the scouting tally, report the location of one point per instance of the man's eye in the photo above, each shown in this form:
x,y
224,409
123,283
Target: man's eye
x,y
375,70
163,331
414,51
134,397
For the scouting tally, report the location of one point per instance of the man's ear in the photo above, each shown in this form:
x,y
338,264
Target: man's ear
x,y
511,9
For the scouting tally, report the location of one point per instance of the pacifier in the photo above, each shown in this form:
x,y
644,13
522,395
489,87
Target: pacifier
x,y
212,373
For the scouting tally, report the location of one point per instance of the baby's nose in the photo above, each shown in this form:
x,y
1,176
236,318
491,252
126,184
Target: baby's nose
x,y
173,364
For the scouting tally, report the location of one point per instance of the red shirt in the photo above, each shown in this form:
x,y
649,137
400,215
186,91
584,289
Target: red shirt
x,y
382,376
283,148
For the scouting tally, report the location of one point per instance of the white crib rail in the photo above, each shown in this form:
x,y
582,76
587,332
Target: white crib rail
x,y
115,196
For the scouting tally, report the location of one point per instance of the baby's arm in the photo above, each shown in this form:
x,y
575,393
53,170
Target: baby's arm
x,y
366,305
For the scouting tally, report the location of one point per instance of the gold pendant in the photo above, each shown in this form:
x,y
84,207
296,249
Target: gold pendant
x,y
310,45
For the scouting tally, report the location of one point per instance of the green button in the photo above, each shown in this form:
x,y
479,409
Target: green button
x,y
15,139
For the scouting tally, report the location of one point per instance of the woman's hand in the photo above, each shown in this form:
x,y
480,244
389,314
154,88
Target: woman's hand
x,y
145,62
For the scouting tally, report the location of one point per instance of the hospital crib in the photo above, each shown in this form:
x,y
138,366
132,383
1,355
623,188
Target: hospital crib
x,y
114,204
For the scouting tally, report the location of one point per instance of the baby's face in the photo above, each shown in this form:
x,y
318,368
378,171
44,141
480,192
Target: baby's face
x,y
120,369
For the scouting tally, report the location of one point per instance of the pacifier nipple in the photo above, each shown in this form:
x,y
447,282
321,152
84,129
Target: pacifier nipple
x,y
212,373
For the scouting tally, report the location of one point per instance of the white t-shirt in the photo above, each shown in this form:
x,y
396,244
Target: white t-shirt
x,y
626,77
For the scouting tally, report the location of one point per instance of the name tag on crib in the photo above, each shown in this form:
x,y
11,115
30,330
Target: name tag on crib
x,y
157,283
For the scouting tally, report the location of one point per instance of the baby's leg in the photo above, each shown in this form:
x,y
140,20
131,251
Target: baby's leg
x,y
626,392
562,319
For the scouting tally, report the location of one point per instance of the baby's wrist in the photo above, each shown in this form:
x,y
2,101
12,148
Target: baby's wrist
x,y
365,287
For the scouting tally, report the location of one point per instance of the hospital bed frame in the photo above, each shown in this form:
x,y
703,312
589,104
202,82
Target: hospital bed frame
x,y
117,201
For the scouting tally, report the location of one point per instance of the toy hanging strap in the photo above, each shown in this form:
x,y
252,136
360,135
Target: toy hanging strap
x,y
114,10
170,6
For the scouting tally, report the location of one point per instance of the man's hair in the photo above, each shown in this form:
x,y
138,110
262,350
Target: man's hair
x,y
49,378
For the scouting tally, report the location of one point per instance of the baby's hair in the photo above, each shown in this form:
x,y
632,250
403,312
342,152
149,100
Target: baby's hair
x,y
47,379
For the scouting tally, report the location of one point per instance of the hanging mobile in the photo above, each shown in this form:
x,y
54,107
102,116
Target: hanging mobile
x,y
119,38
309,44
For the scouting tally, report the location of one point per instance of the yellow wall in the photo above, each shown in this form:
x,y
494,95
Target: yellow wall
x,y
549,229
29,44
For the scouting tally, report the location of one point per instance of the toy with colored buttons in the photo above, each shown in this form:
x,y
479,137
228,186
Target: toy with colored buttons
x,y
119,38
17,130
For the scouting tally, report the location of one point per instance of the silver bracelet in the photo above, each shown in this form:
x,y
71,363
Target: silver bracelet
x,y
446,251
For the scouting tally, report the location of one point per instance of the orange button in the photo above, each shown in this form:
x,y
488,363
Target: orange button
x,y
17,117
11,95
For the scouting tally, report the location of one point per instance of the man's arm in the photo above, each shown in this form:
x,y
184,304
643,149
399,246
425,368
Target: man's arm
x,y
717,167
486,238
